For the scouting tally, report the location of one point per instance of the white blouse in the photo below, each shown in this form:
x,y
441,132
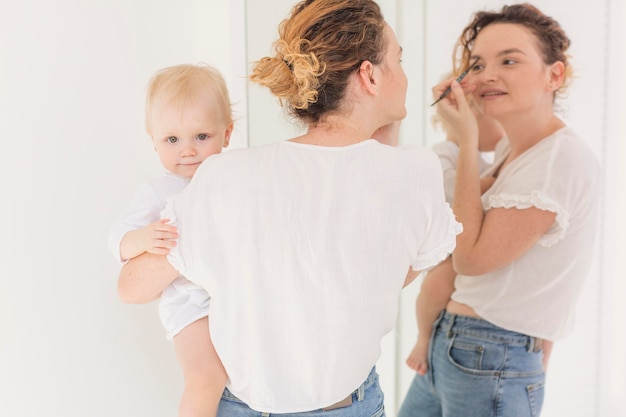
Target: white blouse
x,y
448,153
536,294
304,250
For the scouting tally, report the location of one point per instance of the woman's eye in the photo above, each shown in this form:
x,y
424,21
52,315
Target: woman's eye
x,y
172,139
477,67
509,62
202,136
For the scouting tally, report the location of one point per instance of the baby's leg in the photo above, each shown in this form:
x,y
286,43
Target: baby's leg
x,y
205,377
433,297
418,358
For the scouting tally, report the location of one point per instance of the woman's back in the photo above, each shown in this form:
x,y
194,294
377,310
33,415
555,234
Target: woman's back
x,y
319,239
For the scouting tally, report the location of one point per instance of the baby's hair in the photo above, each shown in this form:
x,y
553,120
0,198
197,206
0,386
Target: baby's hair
x,y
181,84
320,45
553,42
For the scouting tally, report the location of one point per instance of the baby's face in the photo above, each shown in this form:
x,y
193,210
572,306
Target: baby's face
x,y
185,136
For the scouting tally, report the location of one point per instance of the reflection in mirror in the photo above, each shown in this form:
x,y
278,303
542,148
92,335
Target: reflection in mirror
x,y
427,45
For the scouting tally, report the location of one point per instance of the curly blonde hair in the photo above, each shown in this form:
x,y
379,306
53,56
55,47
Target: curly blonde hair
x,y
180,84
320,45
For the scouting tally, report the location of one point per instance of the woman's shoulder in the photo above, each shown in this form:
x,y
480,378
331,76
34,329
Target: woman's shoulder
x,y
566,147
237,157
419,155
567,138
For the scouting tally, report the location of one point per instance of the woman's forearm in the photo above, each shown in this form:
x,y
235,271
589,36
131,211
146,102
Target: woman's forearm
x,y
143,278
467,205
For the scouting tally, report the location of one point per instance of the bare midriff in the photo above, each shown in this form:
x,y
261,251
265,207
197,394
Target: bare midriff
x,y
461,309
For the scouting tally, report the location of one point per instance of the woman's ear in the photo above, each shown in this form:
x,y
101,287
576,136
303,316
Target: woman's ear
x,y
367,77
557,74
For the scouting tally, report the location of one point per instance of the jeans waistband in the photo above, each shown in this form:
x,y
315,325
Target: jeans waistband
x,y
452,324
356,395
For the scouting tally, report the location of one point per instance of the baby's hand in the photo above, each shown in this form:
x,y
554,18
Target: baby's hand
x,y
159,237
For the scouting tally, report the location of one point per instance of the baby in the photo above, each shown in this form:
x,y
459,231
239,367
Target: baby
x,y
189,118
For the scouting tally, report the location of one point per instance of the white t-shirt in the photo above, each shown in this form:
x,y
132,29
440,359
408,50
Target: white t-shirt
x,y
448,153
304,250
536,294
182,302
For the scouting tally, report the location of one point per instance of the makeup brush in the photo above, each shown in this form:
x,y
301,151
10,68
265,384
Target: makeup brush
x,y
459,78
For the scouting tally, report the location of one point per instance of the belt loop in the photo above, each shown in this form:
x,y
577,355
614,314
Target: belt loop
x,y
533,344
360,392
451,320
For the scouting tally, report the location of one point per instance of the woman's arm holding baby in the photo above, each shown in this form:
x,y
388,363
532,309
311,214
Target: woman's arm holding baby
x,y
143,278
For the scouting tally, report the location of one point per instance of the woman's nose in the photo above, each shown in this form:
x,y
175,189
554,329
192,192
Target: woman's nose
x,y
487,74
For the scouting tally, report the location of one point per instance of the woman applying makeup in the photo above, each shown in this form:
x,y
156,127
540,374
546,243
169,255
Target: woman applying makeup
x,y
527,243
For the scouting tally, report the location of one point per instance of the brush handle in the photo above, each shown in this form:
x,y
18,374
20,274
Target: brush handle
x,y
458,79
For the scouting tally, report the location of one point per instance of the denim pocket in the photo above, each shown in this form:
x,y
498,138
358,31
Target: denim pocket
x,y
476,356
535,397
467,355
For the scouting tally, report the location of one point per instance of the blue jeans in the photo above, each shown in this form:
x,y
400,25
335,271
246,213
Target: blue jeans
x,y
367,401
477,369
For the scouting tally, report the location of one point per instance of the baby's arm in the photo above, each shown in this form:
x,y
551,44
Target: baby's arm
x,y
433,297
157,238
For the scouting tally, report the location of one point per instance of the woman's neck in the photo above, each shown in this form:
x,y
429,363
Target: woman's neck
x,y
524,133
333,131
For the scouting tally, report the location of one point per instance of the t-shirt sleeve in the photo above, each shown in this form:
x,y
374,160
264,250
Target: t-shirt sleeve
x,y
546,179
438,224
183,210
542,201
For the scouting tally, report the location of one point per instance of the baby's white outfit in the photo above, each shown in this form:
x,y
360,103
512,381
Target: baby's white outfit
x,y
182,302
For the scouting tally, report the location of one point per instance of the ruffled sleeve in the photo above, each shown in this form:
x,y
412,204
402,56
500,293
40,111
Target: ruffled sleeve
x,y
548,176
541,201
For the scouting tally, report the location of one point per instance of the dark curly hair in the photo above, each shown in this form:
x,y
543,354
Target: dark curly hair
x,y
553,42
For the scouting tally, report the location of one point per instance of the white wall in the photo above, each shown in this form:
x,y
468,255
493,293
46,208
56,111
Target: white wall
x,y
614,366
72,77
